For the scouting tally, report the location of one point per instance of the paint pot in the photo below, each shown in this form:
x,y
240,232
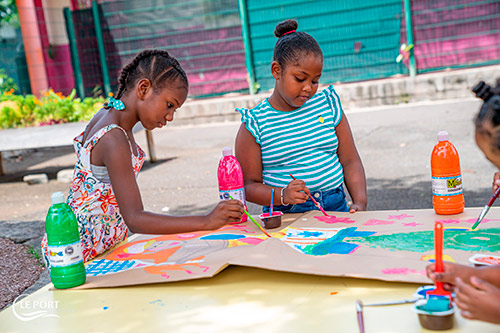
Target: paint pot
x,y
484,260
434,320
422,291
271,222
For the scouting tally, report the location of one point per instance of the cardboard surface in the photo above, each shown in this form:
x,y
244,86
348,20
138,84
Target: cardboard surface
x,y
383,245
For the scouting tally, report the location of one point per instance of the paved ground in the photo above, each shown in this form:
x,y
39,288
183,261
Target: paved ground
x,y
395,144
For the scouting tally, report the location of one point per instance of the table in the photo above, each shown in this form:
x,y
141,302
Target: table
x,y
238,299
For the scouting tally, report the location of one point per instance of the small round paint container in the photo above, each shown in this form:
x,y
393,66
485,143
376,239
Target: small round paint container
x,y
421,292
273,221
434,320
484,260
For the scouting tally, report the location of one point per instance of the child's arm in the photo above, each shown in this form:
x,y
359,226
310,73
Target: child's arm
x,y
452,271
249,155
480,300
354,173
114,152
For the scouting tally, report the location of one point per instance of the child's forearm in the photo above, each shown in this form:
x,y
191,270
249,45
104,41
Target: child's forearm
x,y
355,181
489,274
261,194
150,223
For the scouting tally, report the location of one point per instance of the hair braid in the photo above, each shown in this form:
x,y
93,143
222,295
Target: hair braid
x,y
158,66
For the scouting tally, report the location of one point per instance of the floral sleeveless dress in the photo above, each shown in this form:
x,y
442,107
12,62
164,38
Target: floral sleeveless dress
x,y
100,223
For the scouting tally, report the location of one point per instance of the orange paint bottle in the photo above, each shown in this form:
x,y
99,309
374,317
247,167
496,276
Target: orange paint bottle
x,y
447,192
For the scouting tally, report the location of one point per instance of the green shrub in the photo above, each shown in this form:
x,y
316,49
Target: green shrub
x,y
50,108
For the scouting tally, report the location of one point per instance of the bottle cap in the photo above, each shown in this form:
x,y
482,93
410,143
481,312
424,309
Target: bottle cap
x,y
227,151
443,136
57,197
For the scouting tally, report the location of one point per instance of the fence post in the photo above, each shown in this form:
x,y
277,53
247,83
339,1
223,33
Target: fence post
x,y
242,5
75,61
409,37
100,46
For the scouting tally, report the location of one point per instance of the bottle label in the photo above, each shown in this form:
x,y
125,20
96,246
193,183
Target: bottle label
x,y
447,186
65,255
238,194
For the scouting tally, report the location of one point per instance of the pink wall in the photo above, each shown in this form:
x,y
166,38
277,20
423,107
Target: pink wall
x,y
458,36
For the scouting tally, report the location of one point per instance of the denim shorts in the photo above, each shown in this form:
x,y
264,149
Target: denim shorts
x,y
331,200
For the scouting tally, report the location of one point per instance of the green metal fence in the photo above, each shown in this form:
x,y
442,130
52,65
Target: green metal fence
x,y
360,39
12,58
204,35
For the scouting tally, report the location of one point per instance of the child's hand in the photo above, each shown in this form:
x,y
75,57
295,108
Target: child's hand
x,y
296,192
451,271
496,181
226,211
480,300
355,207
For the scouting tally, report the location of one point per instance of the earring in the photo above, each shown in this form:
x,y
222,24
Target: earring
x,y
116,104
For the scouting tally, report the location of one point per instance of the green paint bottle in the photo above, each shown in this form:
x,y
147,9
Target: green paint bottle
x,y
64,246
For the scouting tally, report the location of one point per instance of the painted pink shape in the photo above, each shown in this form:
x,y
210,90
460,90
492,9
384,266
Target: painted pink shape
x,y
377,222
188,271
412,224
399,217
187,235
450,221
251,240
140,265
402,271
482,222
205,268
333,219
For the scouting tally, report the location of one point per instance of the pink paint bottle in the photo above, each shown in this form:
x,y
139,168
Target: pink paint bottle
x,y
230,178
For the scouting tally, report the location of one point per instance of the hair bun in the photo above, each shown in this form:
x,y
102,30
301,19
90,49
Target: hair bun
x,y
483,91
284,27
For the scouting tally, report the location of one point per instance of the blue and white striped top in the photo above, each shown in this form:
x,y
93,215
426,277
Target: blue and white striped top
x,y
298,142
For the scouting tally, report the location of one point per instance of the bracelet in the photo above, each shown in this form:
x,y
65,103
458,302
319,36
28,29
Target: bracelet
x,y
282,193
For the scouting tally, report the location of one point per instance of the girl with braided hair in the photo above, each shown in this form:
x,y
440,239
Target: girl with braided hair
x,y
477,289
104,194
299,132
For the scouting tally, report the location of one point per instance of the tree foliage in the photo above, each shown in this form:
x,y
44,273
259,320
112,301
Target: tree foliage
x,y
8,13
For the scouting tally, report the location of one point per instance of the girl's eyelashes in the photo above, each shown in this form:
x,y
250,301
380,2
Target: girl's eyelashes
x,y
170,105
299,79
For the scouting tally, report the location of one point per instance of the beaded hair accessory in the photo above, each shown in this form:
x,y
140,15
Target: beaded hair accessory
x,y
116,104
289,32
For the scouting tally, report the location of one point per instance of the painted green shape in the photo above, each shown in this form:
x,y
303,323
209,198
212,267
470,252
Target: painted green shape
x,y
486,240
331,244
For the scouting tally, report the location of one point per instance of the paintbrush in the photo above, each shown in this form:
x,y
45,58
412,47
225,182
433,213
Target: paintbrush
x,y
314,201
406,301
251,218
359,311
272,199
486,208
360,306
438,246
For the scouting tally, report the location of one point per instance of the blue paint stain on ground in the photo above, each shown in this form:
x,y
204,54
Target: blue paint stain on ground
x,y
222,237
105,307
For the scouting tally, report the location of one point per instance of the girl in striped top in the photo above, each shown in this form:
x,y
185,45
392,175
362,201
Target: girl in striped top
x,y
301,132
